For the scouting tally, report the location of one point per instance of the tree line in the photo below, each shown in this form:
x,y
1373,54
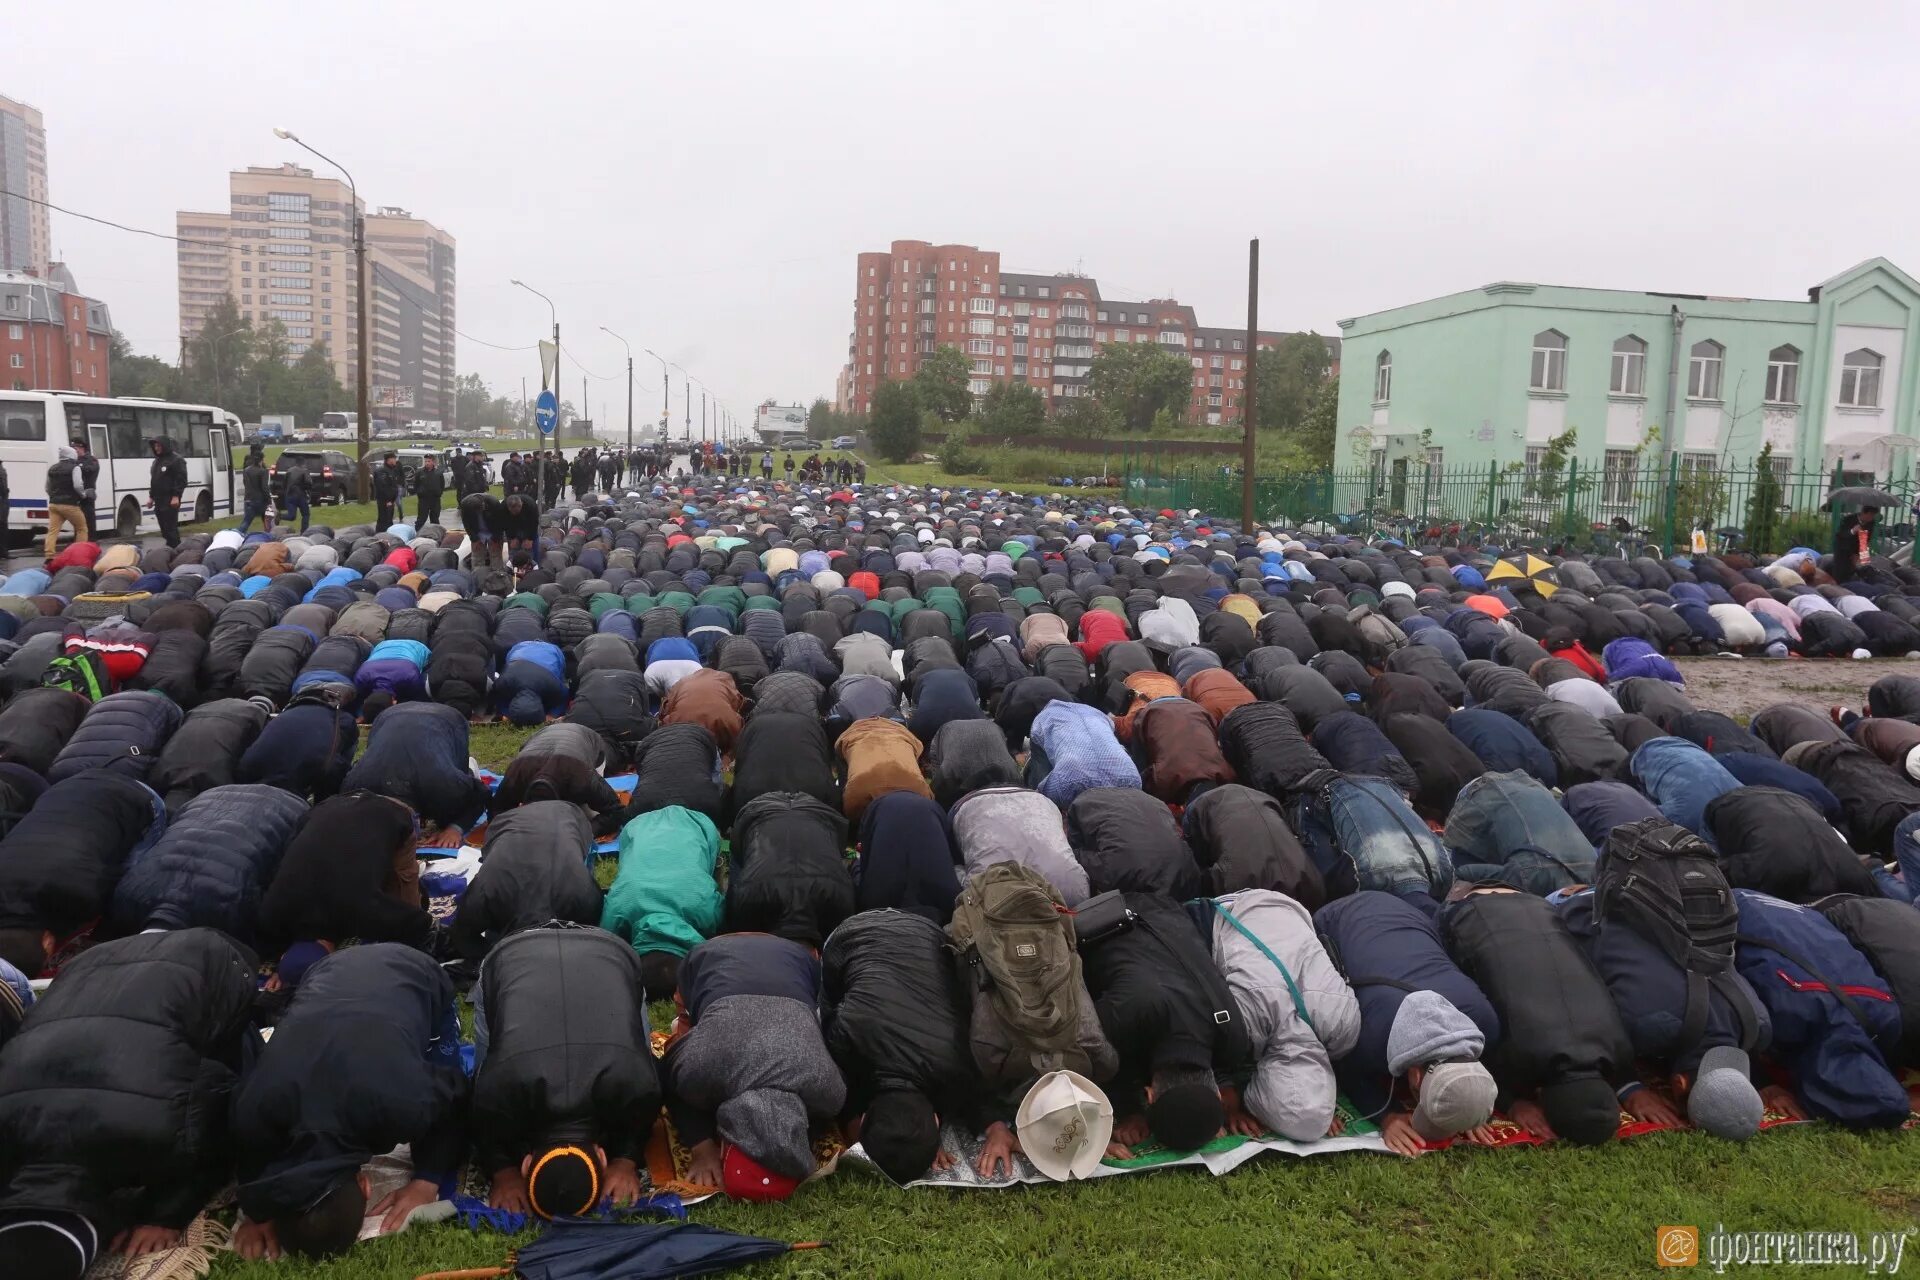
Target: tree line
x,y
1139,388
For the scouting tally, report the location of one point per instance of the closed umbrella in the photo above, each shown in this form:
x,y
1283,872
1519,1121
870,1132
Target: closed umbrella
x,y
628,1251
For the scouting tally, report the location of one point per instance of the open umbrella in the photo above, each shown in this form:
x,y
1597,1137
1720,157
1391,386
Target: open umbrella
x,y
1862,496
628,1251
1525,570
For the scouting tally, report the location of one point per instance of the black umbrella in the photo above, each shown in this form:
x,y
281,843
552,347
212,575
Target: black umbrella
x,y
629,1251
1862,496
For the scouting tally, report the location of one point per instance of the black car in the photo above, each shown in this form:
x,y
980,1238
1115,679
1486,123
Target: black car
x,y
330,473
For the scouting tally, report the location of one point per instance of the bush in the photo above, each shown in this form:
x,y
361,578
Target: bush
x,y
894,428
1801,529
956,459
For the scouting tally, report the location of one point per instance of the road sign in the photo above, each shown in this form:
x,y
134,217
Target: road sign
x,y
546,412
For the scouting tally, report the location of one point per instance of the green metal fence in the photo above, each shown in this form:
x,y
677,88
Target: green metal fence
x,y
1655,502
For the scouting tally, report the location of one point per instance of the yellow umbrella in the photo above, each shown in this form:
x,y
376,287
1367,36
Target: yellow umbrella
x,y
1525,569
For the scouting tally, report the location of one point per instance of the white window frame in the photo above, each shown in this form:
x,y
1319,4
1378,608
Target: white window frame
x,y
1383,377
1548,370
1629,376
1436,466
1860,379
1617,470
1705,370
1783,376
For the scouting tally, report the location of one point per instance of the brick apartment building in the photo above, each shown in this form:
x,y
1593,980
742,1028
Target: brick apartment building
x,y
1039,329
52,337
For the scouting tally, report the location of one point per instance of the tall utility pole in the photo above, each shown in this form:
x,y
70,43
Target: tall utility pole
x,y
666,394
540,466
623,342
703,413
363,478
687,381
1253,381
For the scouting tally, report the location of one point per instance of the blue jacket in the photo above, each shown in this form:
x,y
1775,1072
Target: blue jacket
x,y
542,653
1503,744
213,863
1839,1066
1599,807
1378,939
417,754
1682,779
1354,744
1763,771
1631,656
306,749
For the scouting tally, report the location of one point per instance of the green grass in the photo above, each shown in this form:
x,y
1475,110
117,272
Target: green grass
x,y
494,745
1527,1212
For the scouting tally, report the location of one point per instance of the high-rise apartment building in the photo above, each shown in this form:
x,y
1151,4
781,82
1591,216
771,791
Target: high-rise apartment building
x,y
26,243
1042,330
284,251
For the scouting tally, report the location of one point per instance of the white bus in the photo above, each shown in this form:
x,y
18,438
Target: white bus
x,y
34,424
336,426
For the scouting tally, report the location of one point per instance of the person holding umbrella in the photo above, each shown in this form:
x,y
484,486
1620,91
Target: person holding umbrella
x,y
1850,543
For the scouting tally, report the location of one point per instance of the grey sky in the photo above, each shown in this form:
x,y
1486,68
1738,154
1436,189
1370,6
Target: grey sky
x,y
699,177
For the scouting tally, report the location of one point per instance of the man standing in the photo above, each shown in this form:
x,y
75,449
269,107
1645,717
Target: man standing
x,y
513,474
293,493
428,484
3,508
607,465
66,504
255,493
165,484
766,467
387,489
1850,543
90,481
556,478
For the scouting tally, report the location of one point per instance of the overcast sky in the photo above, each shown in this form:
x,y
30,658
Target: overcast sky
x,y
699,177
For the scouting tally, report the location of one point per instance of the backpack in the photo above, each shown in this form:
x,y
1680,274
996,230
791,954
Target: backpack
x,y
1016,936
1663,882
81,671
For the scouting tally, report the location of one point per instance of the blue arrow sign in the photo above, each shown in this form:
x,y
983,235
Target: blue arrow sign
x,y
546,412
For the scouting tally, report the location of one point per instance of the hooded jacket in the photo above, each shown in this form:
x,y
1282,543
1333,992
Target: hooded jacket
x,y
113,1095
533,869
568,1053
665,897
1386,947
352,1072
417,754
1559,1020
1012,824
213,864
894,1013
1292,1089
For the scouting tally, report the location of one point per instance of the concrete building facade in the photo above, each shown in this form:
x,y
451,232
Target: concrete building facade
x,y
26,240
284,251
52,336
1491,375
1042,330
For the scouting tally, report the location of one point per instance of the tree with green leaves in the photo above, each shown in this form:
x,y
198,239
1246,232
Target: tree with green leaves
x,y
132,375
1288,379
1083,418
894,426
1310,446
941,384
1763,507
820,420
1136,380
1011,409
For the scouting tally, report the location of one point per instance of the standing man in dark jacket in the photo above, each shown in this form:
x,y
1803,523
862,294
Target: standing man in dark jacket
x,y
293,493
366,1058
429,482
113,1100
457,470
565,1086
90,480
1171,1018
1565,1065
387,489
1851,542
69,502
513,475
165,484
556,478
4,508
607,466
895,1019
255,491
475,478
582,473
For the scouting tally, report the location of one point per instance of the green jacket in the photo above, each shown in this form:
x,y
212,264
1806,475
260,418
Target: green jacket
x,y
665,897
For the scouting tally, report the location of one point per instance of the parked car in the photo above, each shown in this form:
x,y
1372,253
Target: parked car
x,y
411,460
330,473
845,442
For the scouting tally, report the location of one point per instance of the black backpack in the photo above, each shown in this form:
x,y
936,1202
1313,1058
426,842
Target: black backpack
x,y
1663,882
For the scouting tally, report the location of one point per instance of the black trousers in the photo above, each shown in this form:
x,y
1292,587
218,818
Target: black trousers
x,y
383,508
164,511
427,510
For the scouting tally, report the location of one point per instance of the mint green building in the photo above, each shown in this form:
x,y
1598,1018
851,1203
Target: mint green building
x,y
1489,376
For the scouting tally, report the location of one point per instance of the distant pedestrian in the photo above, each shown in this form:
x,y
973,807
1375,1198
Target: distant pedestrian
x,y
428,484
293,493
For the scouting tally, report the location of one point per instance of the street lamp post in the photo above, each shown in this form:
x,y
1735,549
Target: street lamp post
x,y
629,346
540,466
686,380
363,479
666,394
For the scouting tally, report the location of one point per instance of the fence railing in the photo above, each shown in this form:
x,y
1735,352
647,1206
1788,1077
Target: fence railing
x,y
1657,502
